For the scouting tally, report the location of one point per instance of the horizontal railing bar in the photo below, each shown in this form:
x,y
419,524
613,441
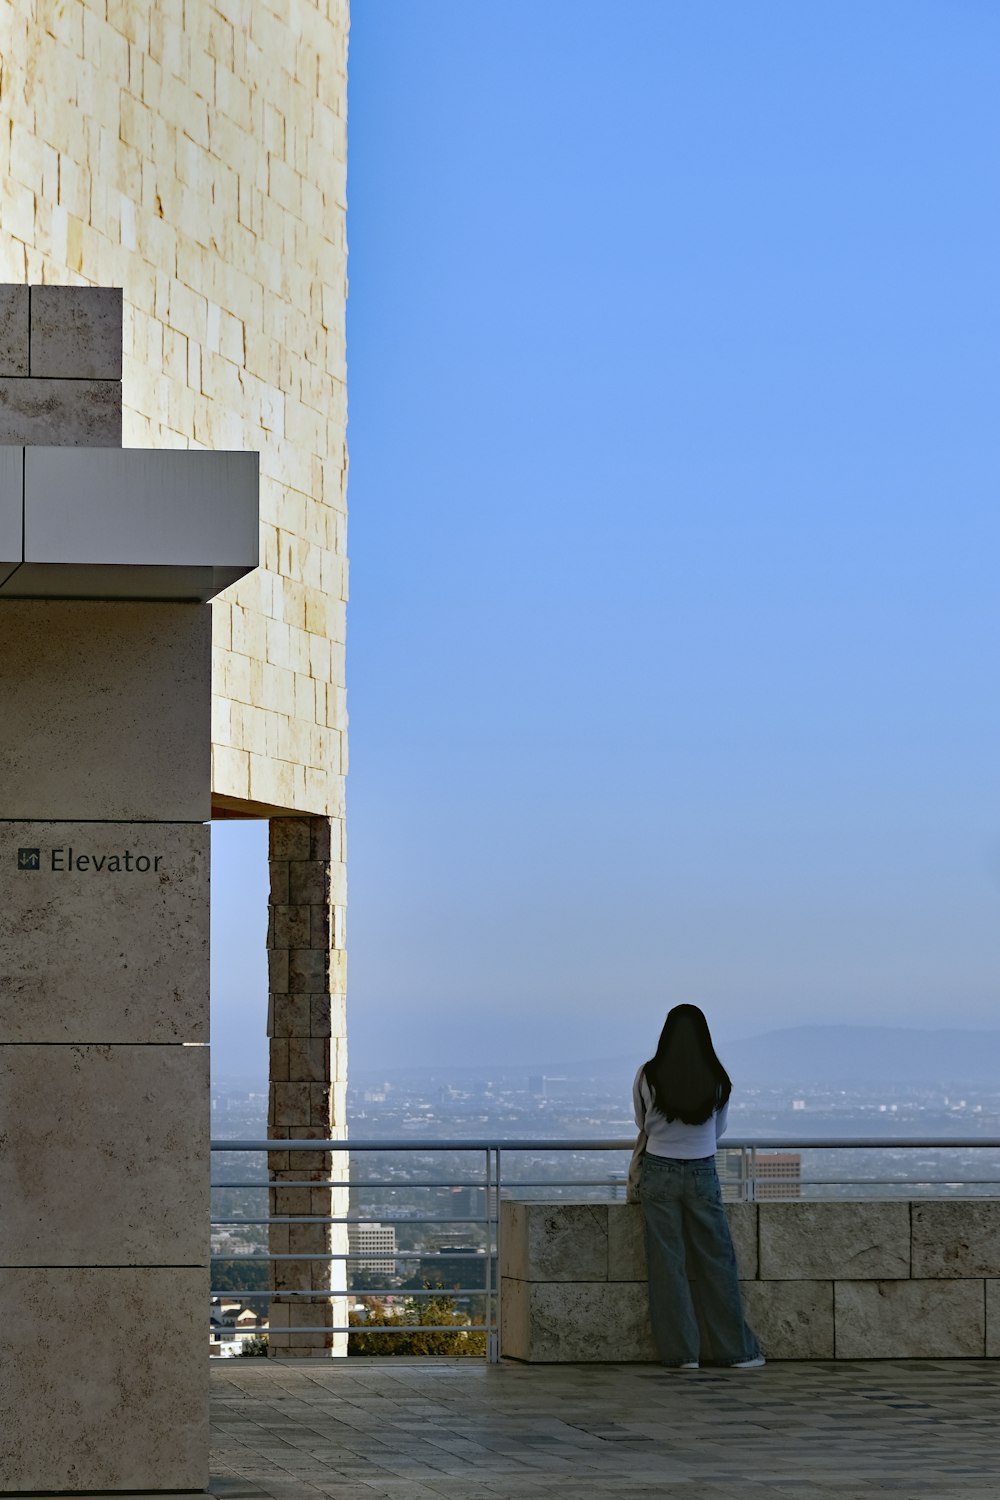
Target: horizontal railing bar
x,y
322,1294
867,1143
305,1219
263,1183
422,1145
361,1293
360,1182
769,1143
362,1328
768,1182
858,1182
403,1328
578,1182
360,1255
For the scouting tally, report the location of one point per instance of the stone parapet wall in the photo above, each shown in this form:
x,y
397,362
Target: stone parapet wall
x,y
827,1280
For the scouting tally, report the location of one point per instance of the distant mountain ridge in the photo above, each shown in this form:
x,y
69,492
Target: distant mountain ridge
x,y
807,1055
793,1056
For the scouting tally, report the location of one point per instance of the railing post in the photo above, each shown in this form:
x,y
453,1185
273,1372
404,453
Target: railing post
x,y
495,1337
488,1224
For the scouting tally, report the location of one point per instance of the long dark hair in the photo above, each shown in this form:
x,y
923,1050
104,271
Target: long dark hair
x,y
685,1077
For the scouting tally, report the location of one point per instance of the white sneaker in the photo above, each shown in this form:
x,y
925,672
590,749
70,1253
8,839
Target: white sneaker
x,y
749,1364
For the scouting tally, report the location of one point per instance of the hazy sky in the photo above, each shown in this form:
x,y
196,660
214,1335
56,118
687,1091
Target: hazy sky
x,y
674,350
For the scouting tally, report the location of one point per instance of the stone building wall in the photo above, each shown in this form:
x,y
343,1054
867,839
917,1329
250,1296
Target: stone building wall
x,y
833,1280
195,155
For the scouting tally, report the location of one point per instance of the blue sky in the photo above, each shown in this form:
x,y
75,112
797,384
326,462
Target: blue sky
x,y
673,368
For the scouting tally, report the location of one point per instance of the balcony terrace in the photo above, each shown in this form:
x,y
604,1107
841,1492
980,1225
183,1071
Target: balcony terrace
x,y
357,1429
830,1429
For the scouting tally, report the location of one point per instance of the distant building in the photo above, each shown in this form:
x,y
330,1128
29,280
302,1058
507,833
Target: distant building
x,y
369,1240
231,1324
461,1202
453,1266
776,1175
550,1088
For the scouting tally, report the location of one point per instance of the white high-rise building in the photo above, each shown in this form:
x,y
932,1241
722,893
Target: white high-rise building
x,y
369,1240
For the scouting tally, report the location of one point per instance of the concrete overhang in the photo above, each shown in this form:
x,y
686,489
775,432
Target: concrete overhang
x,y
126,523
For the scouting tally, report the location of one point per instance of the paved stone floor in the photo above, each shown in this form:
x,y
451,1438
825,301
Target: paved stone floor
x,y
419,1430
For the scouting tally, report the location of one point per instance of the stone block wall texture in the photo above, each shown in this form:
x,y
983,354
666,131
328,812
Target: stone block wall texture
x,y
308,1088
821,1280
195,156
104,1078
61,366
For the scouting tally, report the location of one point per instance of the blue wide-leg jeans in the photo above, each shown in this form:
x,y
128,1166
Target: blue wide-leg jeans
x,y
687,1233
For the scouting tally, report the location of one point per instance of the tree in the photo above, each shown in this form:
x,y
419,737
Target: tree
x,y
254,1348
416,1313
240,1276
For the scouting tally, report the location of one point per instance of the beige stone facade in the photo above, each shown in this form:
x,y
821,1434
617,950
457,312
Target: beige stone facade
x,y
195,155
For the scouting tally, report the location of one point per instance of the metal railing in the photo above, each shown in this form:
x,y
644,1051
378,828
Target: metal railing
x,y
746,1175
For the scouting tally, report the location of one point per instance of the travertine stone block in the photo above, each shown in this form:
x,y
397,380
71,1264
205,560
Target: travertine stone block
x,y
792,1319
103,1156
61,413
576,1322
106,938
11,509
290,839
910,1319
76,332
956,1238
810,1241
626,1243
310,1059
13,330
555,1242
743,1228
103,1386
515,1320
992,1319
106,711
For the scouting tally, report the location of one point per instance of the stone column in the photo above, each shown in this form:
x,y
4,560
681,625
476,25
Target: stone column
x,y
307,1097
104,901
105,794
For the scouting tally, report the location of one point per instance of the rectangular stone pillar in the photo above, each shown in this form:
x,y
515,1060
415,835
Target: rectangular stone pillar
x,y
105,789
308,1081
104,1104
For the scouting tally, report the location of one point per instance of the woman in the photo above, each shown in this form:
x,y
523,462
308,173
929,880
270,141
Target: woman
x,y
681,1097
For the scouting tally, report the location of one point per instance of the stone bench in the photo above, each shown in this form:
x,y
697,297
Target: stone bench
x,y
861,1279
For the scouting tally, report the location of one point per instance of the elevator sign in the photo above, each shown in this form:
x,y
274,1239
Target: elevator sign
x,y
64,859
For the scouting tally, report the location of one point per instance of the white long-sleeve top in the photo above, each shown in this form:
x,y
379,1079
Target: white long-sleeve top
x,y
672,1137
